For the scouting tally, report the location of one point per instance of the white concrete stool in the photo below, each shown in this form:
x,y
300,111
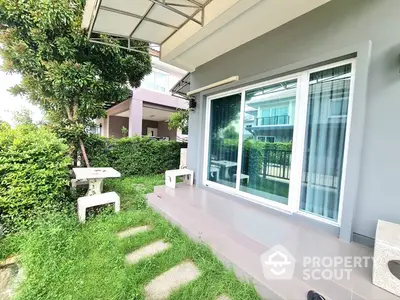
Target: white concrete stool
x,y
170,177
95,200
387,248
214,172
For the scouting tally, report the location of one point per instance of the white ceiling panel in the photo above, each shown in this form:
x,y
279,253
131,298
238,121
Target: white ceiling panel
x,y
138,7
166,16
112,23
152,32
155,114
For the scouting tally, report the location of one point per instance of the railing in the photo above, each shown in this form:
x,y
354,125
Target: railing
x,y
276,163
275,120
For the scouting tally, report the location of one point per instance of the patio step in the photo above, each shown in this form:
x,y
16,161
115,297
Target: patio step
x,y
146,251
230,250
163,285
219,221
133,231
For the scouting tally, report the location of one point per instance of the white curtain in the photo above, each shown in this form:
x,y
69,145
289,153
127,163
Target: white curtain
x,y
325,138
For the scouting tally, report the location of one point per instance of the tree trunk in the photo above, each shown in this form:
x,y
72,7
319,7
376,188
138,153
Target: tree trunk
x,y
84,153
72,116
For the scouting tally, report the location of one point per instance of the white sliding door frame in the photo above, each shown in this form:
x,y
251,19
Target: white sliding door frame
x,y
298,142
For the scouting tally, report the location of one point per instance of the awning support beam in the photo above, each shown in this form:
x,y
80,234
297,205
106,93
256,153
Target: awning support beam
x,y
198,4
119,46
141,20
180,5
176,11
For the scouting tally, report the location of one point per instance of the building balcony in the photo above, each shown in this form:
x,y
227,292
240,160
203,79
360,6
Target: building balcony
x,y
275,120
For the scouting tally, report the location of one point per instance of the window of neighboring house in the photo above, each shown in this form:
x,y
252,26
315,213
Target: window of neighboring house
x,y
261,138
160,81
268,139
310,172
156,81
275,116
338,107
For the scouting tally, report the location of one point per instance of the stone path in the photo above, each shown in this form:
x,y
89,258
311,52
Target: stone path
x,y
146,251
10,277
133,231
223,297
163,285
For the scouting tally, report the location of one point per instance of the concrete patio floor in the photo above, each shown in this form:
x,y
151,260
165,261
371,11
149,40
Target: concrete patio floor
x,y
239,232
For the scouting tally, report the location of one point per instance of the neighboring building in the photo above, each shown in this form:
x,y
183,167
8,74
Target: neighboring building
x,y
310,72
146,113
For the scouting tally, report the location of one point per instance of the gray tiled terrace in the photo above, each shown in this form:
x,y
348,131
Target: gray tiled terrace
x,y
239,232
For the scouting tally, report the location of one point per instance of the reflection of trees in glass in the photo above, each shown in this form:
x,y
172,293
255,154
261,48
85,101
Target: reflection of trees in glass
x,y
231,133
224,121
223,112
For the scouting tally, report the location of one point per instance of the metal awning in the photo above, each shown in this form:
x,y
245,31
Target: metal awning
x,y
182,87
152,21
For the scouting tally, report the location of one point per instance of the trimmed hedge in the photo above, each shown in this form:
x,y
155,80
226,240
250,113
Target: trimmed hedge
x,y
34,174
135,155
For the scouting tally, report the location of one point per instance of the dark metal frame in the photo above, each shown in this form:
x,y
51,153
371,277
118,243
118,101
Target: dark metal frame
x,y
163,3
176,89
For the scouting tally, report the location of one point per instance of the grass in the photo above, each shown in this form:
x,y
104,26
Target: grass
x,y
66,260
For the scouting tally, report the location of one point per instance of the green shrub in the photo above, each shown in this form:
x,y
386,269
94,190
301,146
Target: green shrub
x,y
34,174
144,156
97,150
134,155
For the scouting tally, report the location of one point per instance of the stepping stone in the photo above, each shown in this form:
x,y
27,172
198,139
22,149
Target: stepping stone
x,y
162,286
223,297
133,231
146,251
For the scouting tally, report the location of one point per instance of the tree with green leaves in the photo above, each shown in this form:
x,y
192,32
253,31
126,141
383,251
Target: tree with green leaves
x,y
23,116
179,120
69,77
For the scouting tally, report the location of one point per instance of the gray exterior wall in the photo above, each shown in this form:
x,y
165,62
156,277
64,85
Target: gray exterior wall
x,y
335,29
116,124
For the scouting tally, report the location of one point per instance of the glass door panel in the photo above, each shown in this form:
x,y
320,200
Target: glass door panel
x,y
328,99
224,140
267,140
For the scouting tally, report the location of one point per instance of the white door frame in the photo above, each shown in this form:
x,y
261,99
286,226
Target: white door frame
x,y
299,134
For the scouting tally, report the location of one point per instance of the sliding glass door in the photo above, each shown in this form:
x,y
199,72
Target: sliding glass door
x,y
224,140
269,116
282,142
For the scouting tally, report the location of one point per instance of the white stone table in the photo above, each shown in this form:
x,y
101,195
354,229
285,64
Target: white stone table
x,y
95,176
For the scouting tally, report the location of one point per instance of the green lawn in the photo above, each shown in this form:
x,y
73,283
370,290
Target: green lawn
x,y
65,260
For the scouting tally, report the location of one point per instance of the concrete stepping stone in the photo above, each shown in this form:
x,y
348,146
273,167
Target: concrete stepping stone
x,y
223,297
133,231
162,286
146,251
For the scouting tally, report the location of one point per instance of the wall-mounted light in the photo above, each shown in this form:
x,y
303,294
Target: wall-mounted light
x,y
192,104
